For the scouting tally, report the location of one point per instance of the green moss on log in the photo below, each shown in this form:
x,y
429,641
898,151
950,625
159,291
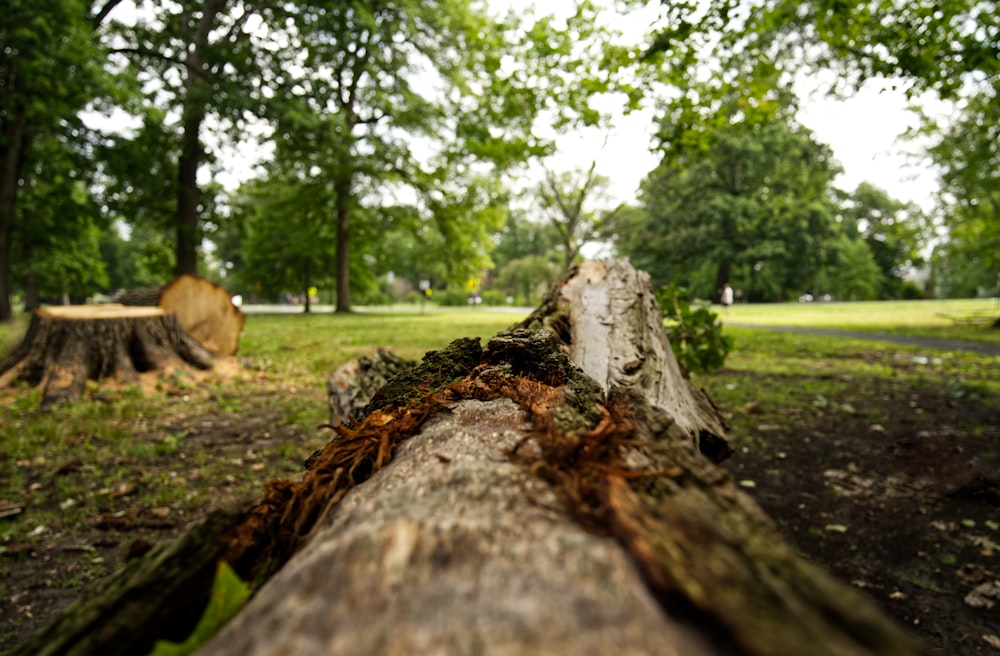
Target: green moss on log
x,y
436,370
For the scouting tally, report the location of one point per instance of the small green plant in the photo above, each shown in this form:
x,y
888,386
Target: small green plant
x,y
229,594
694,331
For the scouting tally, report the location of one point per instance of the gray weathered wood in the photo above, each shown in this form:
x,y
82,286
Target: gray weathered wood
x,y
455,549
531,515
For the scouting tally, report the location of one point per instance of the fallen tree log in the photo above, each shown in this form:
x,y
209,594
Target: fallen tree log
x,y
65,346
502,500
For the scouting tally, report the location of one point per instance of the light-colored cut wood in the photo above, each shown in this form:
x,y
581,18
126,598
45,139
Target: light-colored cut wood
x,y
206,310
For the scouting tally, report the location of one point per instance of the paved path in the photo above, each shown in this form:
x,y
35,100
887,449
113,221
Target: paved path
x,y
984,348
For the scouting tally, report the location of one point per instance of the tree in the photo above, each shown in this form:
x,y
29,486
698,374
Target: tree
x,y
852,273
563,198
947,48
521,236
527,278
349,111
200,63
967,152
285,244
58,222
742,195
48,72
925,45
893,231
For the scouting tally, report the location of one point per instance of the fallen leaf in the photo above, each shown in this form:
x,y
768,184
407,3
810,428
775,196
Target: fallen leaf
x,y
897,595
747,484
984,595
971,573
835,528
124,490
162,511
8,509
992,640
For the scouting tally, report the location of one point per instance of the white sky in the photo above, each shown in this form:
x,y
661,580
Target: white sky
x,y
863,131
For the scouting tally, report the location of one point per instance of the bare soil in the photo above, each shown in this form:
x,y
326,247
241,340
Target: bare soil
x,y
906,509
41,574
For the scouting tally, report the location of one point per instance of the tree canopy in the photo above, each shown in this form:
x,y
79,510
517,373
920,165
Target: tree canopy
x,y
391,138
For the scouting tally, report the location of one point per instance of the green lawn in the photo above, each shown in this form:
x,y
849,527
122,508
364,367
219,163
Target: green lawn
x,y
953,319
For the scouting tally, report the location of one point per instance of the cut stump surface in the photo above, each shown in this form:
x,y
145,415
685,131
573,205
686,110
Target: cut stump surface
x,y
204,308
67,346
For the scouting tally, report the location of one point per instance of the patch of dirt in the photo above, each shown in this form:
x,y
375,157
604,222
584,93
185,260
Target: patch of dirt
x,y
905,507
205,458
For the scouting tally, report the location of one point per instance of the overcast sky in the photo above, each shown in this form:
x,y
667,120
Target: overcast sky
x,y
863,131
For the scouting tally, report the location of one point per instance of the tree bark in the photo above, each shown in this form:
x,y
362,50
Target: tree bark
x,y
12,154
69,345
503,501
195,101
32,299
342,256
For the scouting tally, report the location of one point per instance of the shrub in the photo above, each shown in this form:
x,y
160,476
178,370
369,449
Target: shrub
x,y
494,297
455,296
694,331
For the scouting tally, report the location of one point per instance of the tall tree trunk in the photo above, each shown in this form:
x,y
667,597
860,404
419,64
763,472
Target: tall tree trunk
x,y
307,285
12,152
188,192
196,98
32,301
343,255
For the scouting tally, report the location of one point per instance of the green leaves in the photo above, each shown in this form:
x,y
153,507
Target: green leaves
x,y
229,595
694,331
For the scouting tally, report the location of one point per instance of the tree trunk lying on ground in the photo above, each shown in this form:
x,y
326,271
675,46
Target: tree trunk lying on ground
x,y
514,500
65,346
204,308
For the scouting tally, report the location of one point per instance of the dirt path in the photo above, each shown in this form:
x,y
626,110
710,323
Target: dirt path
x,y
984,348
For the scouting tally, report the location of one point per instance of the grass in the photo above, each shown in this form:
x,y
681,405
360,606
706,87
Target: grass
x,y
928,318
773,379
71,463
287,358
118,455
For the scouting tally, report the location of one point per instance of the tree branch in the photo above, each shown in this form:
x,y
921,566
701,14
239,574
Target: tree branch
x,y
99,17
145,52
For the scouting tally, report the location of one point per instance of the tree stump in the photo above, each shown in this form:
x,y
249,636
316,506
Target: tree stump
x,y
204,308
66,346
500,500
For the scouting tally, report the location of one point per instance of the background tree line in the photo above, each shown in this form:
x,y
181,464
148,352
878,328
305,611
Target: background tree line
x,y
395,141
